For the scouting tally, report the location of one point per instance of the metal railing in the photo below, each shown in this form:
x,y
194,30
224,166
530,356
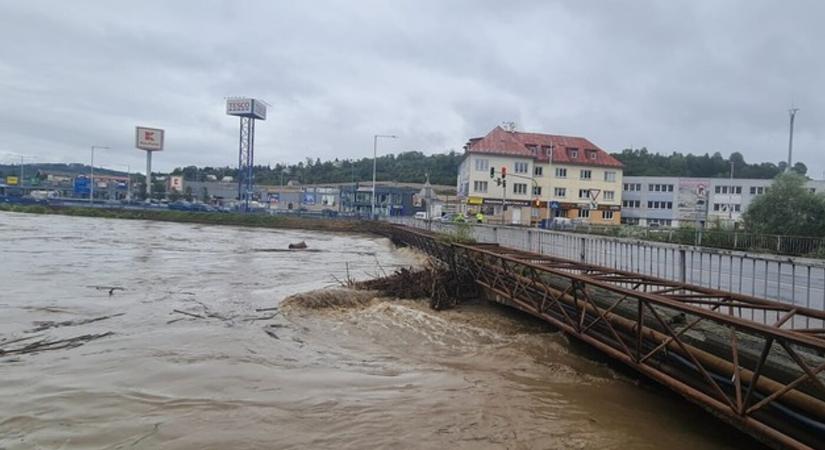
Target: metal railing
x,y
795,281
727,239
764,378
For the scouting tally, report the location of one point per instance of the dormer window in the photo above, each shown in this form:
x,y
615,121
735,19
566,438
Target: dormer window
x,y
548,150
572,153
534,149
591,154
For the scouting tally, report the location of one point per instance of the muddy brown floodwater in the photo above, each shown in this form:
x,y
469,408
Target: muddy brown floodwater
x,y
191,362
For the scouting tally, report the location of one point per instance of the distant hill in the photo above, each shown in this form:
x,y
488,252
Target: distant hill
x,y
72,169
641,162
413,167
407,167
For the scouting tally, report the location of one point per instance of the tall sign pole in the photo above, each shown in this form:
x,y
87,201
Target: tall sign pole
x,y
150,140
248,109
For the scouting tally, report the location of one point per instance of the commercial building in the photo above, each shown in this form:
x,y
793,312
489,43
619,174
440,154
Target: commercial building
x,y
678,201
546,176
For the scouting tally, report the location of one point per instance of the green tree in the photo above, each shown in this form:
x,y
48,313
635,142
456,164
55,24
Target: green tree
x,y
787,208
187,193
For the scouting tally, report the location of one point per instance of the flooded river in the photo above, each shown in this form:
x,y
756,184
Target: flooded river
x,y
188,352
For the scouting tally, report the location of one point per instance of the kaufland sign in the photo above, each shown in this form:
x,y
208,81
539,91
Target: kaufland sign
x,y
149,139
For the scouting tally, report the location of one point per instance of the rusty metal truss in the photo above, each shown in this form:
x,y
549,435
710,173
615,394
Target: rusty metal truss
x,y
763,376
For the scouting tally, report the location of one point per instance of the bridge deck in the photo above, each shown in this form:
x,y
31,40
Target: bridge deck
x,y
755,363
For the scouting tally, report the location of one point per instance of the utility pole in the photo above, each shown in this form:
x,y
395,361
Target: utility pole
x,y
730,194
92,172
375,165
792,113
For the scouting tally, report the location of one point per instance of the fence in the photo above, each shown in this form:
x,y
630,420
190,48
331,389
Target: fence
x,y
727,239
796,281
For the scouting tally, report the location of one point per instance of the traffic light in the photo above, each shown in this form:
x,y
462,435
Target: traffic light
x,y
503,171
492,172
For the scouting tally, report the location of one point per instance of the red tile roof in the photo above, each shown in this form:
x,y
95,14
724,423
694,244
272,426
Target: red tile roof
x,y
536,146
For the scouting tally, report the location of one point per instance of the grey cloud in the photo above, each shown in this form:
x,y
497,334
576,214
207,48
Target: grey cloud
x,y
688,76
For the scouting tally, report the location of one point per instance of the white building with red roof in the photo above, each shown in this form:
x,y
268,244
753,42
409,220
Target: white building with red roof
x,y
515,177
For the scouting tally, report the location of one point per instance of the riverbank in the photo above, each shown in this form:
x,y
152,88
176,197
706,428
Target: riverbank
x,y
245,220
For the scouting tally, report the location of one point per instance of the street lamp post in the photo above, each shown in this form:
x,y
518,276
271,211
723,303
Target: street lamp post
x,y
375,164
92,173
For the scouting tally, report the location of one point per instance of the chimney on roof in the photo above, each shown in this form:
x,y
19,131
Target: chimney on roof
x,y
509,126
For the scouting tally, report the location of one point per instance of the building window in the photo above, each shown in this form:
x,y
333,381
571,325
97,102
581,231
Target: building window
x,y
537,190
633,187
585,174
534,149
753,190
584,193
631,203
560,192
482,165
738,189
718,189
547,150
608,195
520,167
479,186
538,171
561,172
610,176
591,154
572,153
584,213
519,188
607,215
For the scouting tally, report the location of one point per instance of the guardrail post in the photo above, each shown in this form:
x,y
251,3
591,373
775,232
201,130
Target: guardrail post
x,y
583,254
682,266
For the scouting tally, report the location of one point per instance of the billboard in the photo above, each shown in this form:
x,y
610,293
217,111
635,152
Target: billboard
x,y
149,139
246,107
81,185
692,199
11,180
309,198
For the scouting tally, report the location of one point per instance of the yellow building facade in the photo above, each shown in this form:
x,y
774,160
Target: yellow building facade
x,y
547,176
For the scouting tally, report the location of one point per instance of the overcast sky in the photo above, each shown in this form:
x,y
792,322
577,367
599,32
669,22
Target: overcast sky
x,y
691,76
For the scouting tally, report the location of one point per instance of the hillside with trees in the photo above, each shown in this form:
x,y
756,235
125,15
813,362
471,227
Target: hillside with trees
x,y
406,167
640,162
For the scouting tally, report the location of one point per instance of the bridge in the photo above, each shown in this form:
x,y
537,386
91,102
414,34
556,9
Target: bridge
x,y
755,363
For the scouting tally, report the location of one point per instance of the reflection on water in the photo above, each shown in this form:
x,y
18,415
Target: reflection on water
x,y
200,358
